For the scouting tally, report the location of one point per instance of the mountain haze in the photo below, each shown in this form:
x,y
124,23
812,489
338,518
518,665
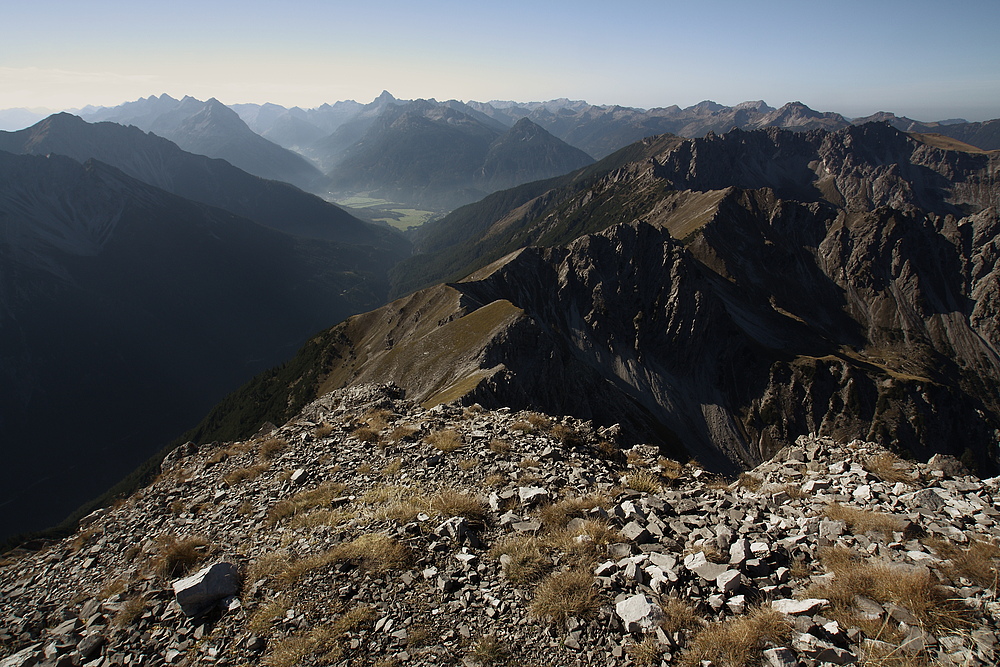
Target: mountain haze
x,y
213,129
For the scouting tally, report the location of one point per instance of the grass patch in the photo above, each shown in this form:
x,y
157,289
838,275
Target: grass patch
x,y
523,559
175,558
977,563
366,434
565,594
644,482
499,446
264,617
446,440
241,475
863,521
490,651
645,653
890,468
374,552
557,515
272,448
323,430
403,432
913,589
738,642
129,612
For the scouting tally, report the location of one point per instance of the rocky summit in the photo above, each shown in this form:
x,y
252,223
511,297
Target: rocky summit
x,y
370,531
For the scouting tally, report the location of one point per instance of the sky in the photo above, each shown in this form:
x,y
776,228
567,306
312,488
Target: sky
x,y
924,59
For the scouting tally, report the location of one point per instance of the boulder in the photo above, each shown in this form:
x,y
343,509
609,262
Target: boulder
x,y
201,591
639,613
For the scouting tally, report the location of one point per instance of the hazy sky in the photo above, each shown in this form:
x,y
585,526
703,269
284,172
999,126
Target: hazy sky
x,y
925,59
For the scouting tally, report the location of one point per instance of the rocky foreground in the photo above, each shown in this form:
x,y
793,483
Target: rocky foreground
x,y
369,531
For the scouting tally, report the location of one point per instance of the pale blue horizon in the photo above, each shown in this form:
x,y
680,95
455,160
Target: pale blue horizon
x,y
923,59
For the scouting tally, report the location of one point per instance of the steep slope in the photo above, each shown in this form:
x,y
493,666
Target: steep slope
x,y
126,312
161,163
527,153
725,295
211,128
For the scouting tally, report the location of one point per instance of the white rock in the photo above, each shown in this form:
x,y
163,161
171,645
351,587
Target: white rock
x,y
639,613
798,607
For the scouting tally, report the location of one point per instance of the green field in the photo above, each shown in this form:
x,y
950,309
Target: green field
x,y
394,214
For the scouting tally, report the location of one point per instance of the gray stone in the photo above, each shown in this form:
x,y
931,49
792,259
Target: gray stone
x,y
532,495
817,649
636,532
798,607
26,657
780,657
700,565
729,581
201,591
639,613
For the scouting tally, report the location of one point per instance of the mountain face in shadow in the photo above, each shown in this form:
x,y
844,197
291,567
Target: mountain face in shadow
x,y
162,163
213,129
720,296
127,311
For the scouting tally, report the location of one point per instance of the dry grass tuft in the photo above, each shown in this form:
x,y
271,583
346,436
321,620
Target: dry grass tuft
x,y
915,589
557,515
402,432
863,521
567,435
495,481
267,566
266,614
679,615
392,468
234,477
499,446
129,612
738,642
890,468
456,503
749,482
446,440
529,463
644,482
175,558
523,558
645,653
670,468
565,594
326,642
279,511
374,552
305,501
584,545
323,430
490,651
977,562
271,448
366,434
523,427
539,421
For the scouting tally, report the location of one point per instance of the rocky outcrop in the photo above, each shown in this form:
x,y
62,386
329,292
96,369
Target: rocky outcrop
x,y
369,529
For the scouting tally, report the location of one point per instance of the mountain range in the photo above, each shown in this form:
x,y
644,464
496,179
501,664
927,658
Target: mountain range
x,y
717,295
213,129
